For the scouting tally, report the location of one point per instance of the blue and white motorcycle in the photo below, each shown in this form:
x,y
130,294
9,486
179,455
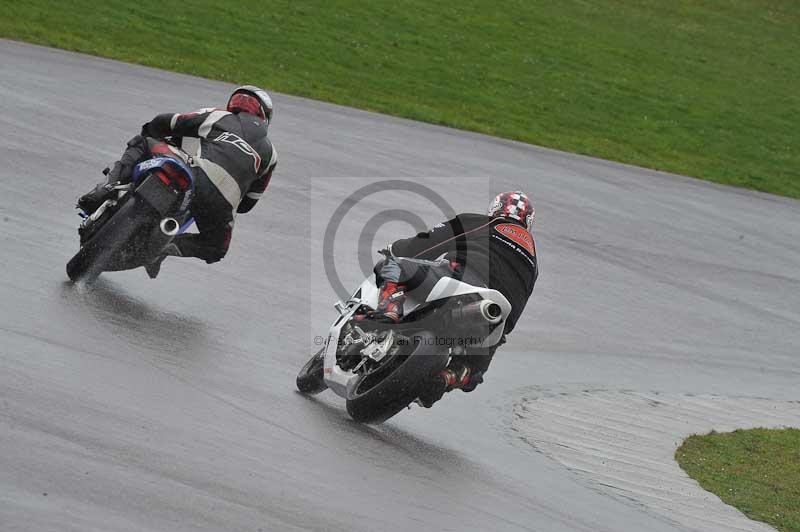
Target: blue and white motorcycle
x,y
133,227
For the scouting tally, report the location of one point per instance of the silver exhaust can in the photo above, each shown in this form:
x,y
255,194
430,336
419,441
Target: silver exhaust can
x,y
169,226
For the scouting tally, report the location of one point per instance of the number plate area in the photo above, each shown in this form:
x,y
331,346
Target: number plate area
x,y
162,198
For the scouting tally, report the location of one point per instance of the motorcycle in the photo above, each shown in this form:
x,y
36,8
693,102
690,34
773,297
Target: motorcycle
x,y
132,228
379,368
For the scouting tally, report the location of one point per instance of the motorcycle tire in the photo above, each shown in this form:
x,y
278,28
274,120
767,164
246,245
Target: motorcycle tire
x,y
310,379
88,263
401,386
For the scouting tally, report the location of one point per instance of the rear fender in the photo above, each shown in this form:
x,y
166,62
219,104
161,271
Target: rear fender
x,y
146,167
161,197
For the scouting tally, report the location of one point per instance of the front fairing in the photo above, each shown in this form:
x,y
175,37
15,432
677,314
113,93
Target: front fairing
x,y
337,379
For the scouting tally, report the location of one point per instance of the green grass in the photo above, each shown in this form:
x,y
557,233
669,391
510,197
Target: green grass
x,y
757,471
707,88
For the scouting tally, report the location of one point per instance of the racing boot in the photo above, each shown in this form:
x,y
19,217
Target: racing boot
x,y
154,267
390,304
92,200
445,381
120,173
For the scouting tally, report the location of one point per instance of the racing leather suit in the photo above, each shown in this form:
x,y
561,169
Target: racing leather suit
x,y
232,159
498,253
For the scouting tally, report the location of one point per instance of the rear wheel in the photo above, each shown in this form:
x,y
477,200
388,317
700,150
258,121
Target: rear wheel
x,y
382,393
88,263
311,379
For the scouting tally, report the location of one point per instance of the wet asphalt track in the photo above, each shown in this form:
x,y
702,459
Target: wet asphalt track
x,y
169,405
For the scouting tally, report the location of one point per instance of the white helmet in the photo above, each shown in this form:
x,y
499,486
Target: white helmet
x,y
251,99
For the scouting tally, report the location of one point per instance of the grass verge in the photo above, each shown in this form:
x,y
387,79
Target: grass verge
x,y
757,471
707,88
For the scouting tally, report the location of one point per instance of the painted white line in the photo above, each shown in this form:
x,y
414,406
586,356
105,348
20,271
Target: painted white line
x,y
623,443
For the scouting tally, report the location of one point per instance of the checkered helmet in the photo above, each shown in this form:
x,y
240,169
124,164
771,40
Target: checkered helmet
x,y
514,205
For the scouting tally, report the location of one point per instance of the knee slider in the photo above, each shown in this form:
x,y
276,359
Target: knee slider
x,y
215,256
217,253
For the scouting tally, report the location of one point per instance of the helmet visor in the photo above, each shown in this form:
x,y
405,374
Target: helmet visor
x,y
245,103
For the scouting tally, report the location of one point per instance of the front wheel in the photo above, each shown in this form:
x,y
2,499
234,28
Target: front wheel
x,y
377,397
311,379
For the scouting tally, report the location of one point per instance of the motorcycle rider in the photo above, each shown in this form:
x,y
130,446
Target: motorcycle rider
x,y
495,250
232,166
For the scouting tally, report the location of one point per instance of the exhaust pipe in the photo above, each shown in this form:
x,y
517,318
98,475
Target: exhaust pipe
x,y
169,226
491,311
477,313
